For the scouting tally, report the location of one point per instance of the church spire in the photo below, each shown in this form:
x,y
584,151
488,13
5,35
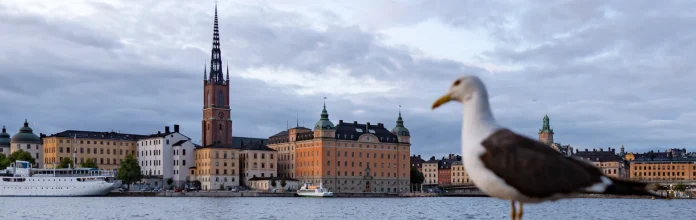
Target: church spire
x,y
216,55
205,73
546,127
228,70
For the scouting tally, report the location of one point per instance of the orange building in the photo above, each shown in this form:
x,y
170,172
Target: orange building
x,y
663,169
348,157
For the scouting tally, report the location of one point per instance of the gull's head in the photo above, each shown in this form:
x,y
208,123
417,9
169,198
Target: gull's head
x,y
463,89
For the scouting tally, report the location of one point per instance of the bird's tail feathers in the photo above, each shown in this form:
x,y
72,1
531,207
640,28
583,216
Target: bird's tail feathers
x,y
627,187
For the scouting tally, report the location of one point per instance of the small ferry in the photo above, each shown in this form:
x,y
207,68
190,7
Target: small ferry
x,y
20,179
314,191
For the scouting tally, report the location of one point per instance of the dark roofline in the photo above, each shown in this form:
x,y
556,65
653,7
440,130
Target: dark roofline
x,y
269,178
96,135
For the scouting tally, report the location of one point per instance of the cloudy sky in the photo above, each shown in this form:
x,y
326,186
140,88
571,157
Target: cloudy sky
x,y
607,72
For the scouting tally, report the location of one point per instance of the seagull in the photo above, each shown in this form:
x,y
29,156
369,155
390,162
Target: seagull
x,y
509,166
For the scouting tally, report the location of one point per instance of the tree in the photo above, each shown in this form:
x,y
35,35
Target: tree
x,y
680,187
417,177
129,172
21,155
4,161
65,162
170,181
282,182
273,182
89,163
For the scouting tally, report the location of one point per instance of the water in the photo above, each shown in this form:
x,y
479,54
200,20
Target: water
x,y
335,208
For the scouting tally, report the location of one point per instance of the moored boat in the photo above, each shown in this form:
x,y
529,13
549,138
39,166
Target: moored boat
x,y
309,190
20,179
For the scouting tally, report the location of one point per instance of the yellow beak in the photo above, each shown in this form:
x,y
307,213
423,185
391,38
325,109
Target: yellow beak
x,y
442,100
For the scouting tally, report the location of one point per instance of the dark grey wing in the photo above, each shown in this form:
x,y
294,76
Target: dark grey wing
x,y
534,168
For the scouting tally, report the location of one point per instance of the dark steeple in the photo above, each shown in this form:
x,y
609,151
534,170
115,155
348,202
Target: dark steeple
x,y
324,122
400,129
216,55
228,70
205,73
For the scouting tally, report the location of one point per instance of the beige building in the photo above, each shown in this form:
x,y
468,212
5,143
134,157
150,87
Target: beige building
x,y
27,141
607,161
258,161
264,184
348,157
106,149
430,171
459,175
216,167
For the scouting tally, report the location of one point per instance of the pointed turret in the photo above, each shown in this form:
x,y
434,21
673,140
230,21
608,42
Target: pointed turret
x,y
228,71
5,140
205,73
546,133
324,122
400,130
216,55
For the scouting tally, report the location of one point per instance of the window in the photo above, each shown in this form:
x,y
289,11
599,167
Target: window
x,y
220,99
183,153
271,155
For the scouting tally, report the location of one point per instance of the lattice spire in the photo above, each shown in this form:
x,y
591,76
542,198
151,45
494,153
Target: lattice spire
x,y
216,55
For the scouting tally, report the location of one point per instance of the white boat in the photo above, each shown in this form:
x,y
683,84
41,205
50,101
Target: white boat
x,y
20,179
314,191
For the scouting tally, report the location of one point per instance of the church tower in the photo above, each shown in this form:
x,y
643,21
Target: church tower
x,y
546,133
217,123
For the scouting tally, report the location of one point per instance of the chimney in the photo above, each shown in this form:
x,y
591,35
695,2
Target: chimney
x,y
176,128
355,122
159,132
368,124
340,121
166,129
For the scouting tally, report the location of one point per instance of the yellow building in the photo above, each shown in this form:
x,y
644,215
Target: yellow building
x,y
258,160
106,149
607,161
663,169
459,175
216,167
430,172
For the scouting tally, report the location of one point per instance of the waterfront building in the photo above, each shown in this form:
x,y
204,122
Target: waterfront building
x,y
546,133
4,142
27,141
444,169
459,175
347,157
257,161
264,183
106,149
417,162
165,155
430,172
607,161
663,168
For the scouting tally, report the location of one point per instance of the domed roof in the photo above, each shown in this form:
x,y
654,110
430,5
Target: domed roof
x,y
4,137
25,135
324,122
400,129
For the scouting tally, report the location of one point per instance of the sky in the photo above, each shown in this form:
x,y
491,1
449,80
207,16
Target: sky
x,y
607,73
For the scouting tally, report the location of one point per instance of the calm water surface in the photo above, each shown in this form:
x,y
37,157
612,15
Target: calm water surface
x,y
335,208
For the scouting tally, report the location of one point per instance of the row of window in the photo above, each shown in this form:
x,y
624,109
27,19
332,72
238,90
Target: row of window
x,y
639,174
88,150
661,167
90,142
345,173
107,161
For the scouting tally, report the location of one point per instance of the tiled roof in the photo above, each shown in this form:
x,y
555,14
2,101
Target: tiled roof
x,y
598,156
98,135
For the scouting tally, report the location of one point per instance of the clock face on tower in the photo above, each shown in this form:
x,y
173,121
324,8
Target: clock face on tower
x,y
221,115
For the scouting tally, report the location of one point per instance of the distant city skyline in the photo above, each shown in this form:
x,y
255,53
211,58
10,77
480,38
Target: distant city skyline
x,y
601,72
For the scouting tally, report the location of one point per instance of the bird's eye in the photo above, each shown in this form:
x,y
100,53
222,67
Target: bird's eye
x,y
457,82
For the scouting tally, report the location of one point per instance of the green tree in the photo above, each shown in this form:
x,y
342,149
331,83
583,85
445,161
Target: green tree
x,y
89,163
4,161
680,187
170,181
65,162
417,177
273,182
282,182
21,155
129,171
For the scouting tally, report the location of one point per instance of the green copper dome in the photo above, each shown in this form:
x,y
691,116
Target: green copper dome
x,y
25,135
4,137
400,129
324,122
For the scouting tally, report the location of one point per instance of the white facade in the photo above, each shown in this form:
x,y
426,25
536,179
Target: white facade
x,y
5,150
183,158
36,151
156,156
264,184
